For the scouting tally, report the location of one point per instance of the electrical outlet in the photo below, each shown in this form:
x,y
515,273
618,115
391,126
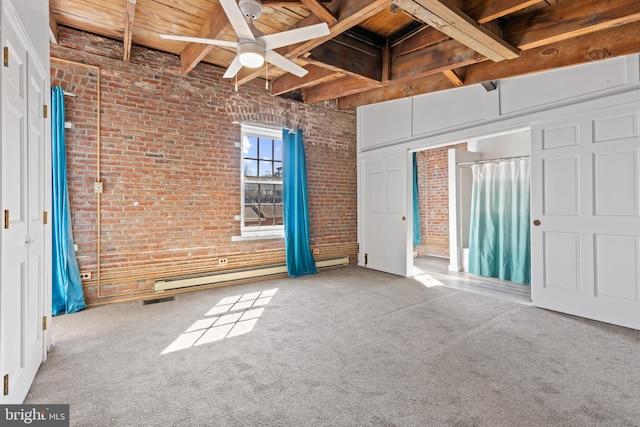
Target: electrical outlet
x,y
85,276
316,251
97,187
222,261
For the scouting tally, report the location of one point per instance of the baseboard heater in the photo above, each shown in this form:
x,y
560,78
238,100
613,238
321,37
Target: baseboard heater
x,y
233,275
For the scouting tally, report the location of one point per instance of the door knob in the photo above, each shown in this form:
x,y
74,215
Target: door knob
x,y
536,222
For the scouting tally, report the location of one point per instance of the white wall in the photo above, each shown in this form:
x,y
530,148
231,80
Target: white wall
x,y
511,144
34,15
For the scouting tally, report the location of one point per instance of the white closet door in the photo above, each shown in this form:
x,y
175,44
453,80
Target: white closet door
x,y
21,284
384,212
586,196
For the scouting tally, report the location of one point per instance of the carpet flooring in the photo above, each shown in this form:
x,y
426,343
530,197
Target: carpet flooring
x,y
345,347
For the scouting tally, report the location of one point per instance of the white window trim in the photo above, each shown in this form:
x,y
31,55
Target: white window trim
x,y
264,232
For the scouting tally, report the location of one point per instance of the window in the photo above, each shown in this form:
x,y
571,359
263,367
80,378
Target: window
x,y
261,182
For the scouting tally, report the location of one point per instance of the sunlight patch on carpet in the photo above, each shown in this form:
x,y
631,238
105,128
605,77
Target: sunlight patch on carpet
x,y
231,317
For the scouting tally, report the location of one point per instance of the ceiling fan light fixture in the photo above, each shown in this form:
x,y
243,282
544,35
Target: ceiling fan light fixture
x,y
251,54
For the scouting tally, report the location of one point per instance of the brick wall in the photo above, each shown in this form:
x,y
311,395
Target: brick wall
x,y
433,188
169,164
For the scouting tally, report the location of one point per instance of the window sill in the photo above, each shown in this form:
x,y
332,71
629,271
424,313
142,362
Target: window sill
x,y
246,238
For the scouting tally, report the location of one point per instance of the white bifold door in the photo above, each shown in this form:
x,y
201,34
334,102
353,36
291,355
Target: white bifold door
x,y
585,189
22,262
384,213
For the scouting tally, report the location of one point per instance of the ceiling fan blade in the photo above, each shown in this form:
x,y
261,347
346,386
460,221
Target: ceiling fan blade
x,y
233,69
285,38
200,40
238,22
284,63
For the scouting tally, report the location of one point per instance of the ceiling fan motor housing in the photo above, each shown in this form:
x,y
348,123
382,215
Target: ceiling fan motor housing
x,y
250,53
250,8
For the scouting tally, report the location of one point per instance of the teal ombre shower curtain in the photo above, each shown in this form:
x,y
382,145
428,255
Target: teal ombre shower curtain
x,y
499,234
295,208
417,235
67,296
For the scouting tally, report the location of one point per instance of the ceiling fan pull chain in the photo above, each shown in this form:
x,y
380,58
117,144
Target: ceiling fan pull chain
x,y
266,73
236,82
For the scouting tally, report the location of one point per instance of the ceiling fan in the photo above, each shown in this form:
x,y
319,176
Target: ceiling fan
x,y
252,46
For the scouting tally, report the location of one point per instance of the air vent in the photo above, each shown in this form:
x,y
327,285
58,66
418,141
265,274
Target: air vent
x,y
158,300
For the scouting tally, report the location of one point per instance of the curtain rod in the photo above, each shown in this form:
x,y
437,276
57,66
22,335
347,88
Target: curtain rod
x,y
65,93
500,159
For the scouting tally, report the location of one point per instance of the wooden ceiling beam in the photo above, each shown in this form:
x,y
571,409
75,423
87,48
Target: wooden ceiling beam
x,y
350,14
321,12
566,20
214,28
346,54
447,55
426,37
613,42
457,25
346,85
453,78
129,17
288,82
287,3
426,84
483,11
340,71
434,60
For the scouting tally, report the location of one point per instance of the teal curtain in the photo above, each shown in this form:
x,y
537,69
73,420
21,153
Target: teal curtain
x,y
417,235
67,296
499,234
295,210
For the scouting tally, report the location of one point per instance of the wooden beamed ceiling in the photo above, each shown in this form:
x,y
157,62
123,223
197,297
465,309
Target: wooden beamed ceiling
x,y
377,50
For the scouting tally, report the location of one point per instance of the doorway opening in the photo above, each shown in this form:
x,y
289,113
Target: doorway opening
x,y
445,182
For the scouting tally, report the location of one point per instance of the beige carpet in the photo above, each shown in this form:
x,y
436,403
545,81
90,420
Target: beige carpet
x,y
345,347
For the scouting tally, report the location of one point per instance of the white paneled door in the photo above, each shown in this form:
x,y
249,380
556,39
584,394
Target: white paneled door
x,y
21,260
384,212
585,183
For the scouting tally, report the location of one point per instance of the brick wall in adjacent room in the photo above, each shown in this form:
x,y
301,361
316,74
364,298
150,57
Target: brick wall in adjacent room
x,y
433,188
170,167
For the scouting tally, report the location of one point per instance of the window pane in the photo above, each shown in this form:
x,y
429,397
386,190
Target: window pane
x,y
261,166
250,147
266,168
266,193
277,150
251,193
277,198
251,217
250,168
267,213
278,217
266,149
277,169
